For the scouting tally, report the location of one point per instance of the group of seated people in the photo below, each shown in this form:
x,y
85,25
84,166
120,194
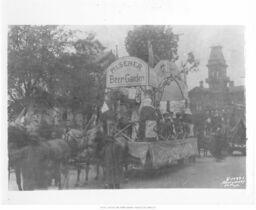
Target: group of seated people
x,y
168,126
173,127
145,122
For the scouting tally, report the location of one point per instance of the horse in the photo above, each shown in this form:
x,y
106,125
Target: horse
x,y
32,163
94,155
17,139
84,157
36,158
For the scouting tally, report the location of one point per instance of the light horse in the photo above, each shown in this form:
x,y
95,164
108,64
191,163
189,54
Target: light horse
x,y
92,155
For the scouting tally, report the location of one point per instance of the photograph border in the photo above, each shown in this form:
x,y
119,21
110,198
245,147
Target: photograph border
x,y
88,12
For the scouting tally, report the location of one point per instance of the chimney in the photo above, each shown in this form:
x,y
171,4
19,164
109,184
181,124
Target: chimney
x,y
201,84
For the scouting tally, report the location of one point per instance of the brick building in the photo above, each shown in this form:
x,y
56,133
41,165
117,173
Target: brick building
x,y
221,93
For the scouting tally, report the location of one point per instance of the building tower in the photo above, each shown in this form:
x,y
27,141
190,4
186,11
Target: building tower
x,y
217,70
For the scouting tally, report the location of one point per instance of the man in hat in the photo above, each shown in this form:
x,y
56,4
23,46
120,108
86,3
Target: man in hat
x,y
148,121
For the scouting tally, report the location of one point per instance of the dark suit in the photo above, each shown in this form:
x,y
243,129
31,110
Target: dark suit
x,y
113,159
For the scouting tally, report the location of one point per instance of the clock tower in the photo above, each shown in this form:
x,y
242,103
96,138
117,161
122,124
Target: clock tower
x,y
217,70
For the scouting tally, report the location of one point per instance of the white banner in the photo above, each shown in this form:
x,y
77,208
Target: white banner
x,y
127,72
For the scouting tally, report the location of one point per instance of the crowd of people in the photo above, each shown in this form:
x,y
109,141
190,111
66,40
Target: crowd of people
x,y
215,120
216,124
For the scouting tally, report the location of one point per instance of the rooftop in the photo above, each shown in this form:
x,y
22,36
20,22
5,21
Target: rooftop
x,y
237,88
216,56
205,90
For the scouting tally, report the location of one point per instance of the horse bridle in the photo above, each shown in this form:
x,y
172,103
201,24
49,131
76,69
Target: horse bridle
x,y
66,138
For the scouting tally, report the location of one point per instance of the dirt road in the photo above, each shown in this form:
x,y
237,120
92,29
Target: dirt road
x,y
205,173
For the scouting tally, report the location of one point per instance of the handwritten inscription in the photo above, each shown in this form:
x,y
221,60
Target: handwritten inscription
x,y
234,181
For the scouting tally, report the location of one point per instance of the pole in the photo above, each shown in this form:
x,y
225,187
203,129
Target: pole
x,y
150,55
117,51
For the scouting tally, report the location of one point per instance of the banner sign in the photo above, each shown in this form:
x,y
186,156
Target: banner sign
x,y
127,72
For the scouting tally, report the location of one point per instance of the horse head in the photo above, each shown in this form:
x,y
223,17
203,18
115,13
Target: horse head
x,y
75,139
81,139
94,134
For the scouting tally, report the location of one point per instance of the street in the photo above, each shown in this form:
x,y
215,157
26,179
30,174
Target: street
x,y
206,172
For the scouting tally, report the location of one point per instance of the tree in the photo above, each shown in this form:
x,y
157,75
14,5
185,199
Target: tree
x,y
33,63
86,78
164,46
164,42
52,66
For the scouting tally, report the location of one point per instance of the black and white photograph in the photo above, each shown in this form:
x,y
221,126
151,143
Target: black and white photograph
x,y
124,103
155,106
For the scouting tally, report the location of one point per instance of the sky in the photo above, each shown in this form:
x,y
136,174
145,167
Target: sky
x,y
197,39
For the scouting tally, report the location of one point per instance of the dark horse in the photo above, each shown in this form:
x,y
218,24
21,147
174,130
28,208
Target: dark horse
x,y
18,138
34,159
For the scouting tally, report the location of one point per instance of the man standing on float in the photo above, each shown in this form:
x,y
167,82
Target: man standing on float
x,y
148,119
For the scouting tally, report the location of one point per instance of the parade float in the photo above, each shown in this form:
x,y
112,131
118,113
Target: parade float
x,y
150,93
